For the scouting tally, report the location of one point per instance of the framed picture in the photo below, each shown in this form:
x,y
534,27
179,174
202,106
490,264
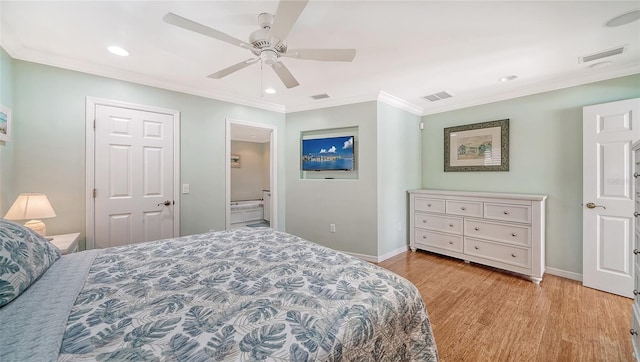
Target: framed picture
x,y
477,147
5,123
235,161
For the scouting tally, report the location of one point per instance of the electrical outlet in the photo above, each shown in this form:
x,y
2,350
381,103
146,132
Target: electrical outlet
x,y
185,188
332,228
399,226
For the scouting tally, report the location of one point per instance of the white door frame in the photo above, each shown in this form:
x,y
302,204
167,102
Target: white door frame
x,y
273,169
90,116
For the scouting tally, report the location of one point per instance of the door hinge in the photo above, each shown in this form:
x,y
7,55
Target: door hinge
x,y
94,193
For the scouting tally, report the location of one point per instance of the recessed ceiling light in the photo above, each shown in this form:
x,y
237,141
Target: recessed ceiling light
x,y
270,91
508,78
118,51
626,18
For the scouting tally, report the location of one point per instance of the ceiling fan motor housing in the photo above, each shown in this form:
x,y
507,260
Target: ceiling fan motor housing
x,y
260,38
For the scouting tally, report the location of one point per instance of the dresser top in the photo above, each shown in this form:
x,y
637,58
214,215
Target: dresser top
x,y
494,195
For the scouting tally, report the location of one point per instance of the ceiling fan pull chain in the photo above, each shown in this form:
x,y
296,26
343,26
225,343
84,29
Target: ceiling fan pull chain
x,y
261,80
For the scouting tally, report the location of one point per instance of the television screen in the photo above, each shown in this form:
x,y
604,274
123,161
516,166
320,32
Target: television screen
x,y
323,154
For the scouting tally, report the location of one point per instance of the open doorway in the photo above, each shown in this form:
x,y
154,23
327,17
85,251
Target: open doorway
x,y
251,175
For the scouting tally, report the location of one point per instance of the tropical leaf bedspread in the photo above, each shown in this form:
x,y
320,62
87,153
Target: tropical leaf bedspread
x,y
245,294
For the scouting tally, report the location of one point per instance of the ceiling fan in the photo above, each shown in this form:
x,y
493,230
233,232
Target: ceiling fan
x,y
268,43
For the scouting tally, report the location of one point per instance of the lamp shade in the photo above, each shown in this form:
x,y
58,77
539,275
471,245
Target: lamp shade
x,y
30,206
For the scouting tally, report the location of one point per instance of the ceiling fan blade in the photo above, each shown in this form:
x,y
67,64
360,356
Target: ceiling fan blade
x,y
286,15
185,23
334,55
285,75
234,68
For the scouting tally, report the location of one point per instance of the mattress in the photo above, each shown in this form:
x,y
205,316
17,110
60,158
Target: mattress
x,y
244,294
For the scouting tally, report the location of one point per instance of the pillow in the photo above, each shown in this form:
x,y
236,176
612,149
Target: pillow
x,y
24,256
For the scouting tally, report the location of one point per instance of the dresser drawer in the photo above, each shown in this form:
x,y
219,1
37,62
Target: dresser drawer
x,y
447,224
508,233
636,286
440,240
432,205
464,208
635,329
517,213
498,252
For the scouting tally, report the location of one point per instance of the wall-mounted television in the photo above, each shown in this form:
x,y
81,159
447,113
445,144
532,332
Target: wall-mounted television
x,y
327,154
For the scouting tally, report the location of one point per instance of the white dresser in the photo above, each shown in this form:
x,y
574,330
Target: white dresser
x,y
635,309
505,231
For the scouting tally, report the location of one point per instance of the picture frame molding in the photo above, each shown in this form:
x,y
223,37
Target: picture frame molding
x,y
503,124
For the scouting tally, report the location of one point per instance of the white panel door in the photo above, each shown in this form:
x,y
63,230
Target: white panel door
x,y
608,131
134,176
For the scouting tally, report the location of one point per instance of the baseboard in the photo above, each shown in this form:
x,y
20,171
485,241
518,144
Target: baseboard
x,y
369,258
564,273
393,253
378,259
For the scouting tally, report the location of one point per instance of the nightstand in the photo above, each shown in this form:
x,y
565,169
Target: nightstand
x,y
67,243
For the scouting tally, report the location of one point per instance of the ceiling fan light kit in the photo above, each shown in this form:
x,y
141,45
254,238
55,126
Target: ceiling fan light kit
x,y
268,43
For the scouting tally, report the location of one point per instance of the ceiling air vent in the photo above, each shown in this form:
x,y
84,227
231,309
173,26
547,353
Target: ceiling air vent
x,y
438,96
320,96
600,55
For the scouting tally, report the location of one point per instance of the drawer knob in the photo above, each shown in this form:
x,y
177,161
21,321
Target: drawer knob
x,y
450,242
636,251
476,247
428,205
506,212
424,221
635,292
633,332
424,236
463,208
514,234
514,255
451,225
476,228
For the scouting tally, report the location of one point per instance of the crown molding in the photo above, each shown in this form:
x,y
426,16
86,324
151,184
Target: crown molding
x,y
18,52
400,103
326,103
539,87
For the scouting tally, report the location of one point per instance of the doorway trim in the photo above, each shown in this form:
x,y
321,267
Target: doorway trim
x,y
90,119
273,169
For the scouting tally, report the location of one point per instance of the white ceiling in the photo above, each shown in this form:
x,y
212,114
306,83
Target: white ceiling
x,y
405,49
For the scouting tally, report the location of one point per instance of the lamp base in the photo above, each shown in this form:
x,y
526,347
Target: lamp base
x,y
37,226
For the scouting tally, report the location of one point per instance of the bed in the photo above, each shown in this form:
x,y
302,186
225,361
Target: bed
x,y
243,294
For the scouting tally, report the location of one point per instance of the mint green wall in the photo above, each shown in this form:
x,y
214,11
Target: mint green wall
x,y
545,156
49,154
6,148
351,204
398,171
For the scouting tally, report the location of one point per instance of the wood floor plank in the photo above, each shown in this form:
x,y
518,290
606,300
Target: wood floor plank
x,y
483,314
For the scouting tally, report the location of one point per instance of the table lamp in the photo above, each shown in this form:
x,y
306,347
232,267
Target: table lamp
x,y
32,206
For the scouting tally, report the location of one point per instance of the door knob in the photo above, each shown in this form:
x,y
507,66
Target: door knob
x,y
636,175
165,203
591,205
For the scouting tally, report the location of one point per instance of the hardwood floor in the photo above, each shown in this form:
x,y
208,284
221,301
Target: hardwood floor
x,y
481,314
